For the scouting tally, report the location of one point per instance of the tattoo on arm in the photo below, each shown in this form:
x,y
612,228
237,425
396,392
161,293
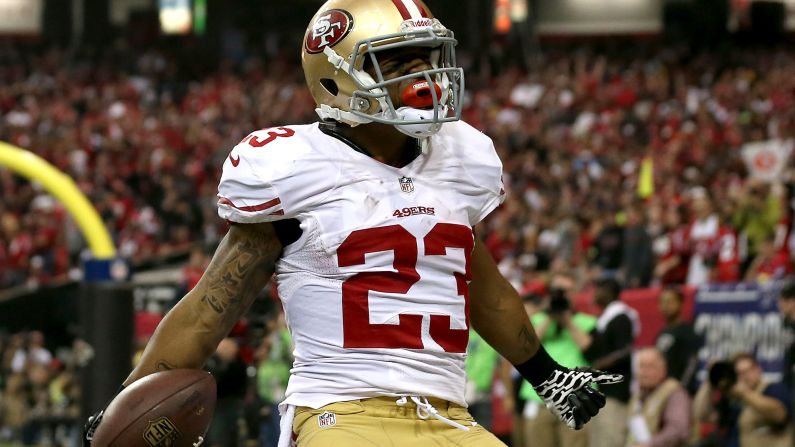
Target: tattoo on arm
x,y
163,365
527,341
234,282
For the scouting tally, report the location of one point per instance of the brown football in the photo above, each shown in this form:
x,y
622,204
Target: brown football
x,y
170,408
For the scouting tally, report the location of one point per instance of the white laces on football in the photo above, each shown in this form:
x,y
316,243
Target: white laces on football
x,y
425,410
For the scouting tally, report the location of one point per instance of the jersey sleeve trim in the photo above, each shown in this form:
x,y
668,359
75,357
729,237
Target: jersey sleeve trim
x,y
254,208
249,214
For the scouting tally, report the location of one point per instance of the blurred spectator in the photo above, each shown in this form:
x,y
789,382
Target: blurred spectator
x,y
608,246
659,410
563,333
39,402
14,408
677,341
751,412
533,303
231,378
609,348
481,364
34,353
703,238
769,263
759,210
728,262
786,304
672,247
275,360
637,259
193,271
38,378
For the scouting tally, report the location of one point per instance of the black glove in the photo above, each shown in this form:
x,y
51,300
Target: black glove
x,y
93,422
91,427
569,394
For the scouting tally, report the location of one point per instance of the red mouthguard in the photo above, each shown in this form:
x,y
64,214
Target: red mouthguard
x,y
419,96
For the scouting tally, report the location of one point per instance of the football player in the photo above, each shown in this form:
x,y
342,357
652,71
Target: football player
x,y
366,219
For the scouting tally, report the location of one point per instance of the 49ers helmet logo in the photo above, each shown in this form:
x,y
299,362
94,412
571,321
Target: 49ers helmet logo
x,y
328,30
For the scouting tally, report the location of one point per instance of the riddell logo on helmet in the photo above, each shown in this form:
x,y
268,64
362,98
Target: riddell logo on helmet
x,y
419,23
328,30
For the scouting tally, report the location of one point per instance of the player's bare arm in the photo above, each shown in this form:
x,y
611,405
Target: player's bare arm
x,y
497,312
498,315
190,332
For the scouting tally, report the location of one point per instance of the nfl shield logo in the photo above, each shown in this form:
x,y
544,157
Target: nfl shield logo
x,y
406,185
161,432
327,420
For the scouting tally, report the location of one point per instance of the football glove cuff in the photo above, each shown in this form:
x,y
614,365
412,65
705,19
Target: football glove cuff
x,y
539,368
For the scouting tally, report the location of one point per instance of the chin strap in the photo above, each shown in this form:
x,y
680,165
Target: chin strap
x,y
351,119
327,112
336,60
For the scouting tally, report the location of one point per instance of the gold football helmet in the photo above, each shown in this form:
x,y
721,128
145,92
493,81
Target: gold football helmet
x,y
345,36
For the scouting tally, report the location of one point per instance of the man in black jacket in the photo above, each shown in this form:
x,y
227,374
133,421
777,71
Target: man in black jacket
x,y
609,347
678,341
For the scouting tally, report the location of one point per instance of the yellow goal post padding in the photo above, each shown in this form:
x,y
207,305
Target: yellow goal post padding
x,y
60,185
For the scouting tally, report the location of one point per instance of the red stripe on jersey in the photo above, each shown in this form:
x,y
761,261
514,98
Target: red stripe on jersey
x,y
402,8
251,209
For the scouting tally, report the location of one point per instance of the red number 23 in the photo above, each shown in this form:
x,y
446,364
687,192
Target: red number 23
x,y
358,331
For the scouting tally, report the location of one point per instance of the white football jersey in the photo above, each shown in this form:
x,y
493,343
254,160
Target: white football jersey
x,y
375,291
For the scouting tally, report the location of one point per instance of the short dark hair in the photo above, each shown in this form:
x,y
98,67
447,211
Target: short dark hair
x,y
611,285
788,289
532,297
677,291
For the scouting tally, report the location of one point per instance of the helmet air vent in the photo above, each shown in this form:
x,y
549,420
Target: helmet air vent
x,y
330,85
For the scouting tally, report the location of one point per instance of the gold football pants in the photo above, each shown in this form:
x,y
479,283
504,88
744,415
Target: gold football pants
x,y
380,422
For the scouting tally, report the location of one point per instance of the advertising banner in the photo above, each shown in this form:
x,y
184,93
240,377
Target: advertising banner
x,y
743,317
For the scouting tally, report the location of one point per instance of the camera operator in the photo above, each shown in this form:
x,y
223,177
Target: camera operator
x,y
748,410
554,329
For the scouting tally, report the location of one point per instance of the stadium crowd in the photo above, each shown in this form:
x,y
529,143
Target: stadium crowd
x,y
39,404
623,167
146,145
